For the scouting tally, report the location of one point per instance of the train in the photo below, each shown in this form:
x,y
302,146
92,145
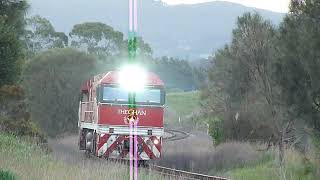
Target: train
x,y
105,114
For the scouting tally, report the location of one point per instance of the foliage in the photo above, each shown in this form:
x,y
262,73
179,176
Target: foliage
x,y
14,116
41,35
216,131
143,48
296,168
52,81
14,12
11,29
241,84
97,38
300,61
185,76
6,175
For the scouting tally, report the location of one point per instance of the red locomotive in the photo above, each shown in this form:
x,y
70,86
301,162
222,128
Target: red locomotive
x,y
104,116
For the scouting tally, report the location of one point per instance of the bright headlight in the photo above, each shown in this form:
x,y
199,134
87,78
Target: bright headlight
x,y
156,141
132,78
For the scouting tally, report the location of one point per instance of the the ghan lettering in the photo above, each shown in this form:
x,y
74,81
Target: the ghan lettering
x,y
132,112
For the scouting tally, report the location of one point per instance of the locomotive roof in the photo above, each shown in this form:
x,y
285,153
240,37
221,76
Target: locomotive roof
x,y
112,77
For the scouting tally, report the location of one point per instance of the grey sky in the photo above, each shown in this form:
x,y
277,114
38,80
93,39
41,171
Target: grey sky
x,y
273,5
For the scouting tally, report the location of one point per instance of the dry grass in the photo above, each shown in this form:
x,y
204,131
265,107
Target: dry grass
x,y
30,162
234,154
197,154
190,154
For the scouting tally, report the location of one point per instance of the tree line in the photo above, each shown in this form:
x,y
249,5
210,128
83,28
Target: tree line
x,y
264,85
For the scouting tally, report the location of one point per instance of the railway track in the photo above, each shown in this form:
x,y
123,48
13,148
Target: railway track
x,y
176,135
179,174
164,171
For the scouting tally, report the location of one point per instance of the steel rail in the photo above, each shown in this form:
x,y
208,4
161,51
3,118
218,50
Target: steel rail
x,y
183,174
175,136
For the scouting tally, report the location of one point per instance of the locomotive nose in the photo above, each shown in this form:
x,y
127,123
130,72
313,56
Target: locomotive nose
x,y
126,146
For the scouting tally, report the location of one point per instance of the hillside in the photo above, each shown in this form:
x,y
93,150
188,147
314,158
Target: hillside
x,y
186,31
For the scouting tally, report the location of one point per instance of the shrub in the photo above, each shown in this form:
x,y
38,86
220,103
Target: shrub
x,y
234,154
52,81
14,117
6,175
216,131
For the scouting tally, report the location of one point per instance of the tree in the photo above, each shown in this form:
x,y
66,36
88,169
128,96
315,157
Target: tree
x,y
52,81
143,48
11,29
241,81
41,35
13,13
300,61
97,38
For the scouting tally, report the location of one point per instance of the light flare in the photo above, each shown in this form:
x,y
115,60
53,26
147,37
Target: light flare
x,y
132,78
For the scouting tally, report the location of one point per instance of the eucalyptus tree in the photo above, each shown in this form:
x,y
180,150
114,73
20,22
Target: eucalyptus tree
x,y
52,80
98,39
300,61
40,36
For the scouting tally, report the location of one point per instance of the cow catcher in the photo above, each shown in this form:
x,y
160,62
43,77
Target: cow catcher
x,y
105,116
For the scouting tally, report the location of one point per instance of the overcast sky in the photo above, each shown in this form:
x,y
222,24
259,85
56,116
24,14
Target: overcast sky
x,y
273,5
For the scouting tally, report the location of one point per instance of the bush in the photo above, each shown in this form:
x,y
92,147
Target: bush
x,y
52,81
234,154
14,117
216,130
296,167
6,175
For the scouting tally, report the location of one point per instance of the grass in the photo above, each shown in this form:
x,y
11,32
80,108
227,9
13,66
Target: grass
x,y
6,175
27,161
181,104
296,167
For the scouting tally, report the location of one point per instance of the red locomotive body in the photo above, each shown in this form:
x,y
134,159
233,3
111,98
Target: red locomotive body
x,y
104,117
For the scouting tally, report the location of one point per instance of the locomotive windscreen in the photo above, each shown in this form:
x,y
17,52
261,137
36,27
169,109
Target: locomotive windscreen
x,y
120,95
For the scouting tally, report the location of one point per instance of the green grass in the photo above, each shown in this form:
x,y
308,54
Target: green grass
x,y
295,168
27,161
181,104
6,175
